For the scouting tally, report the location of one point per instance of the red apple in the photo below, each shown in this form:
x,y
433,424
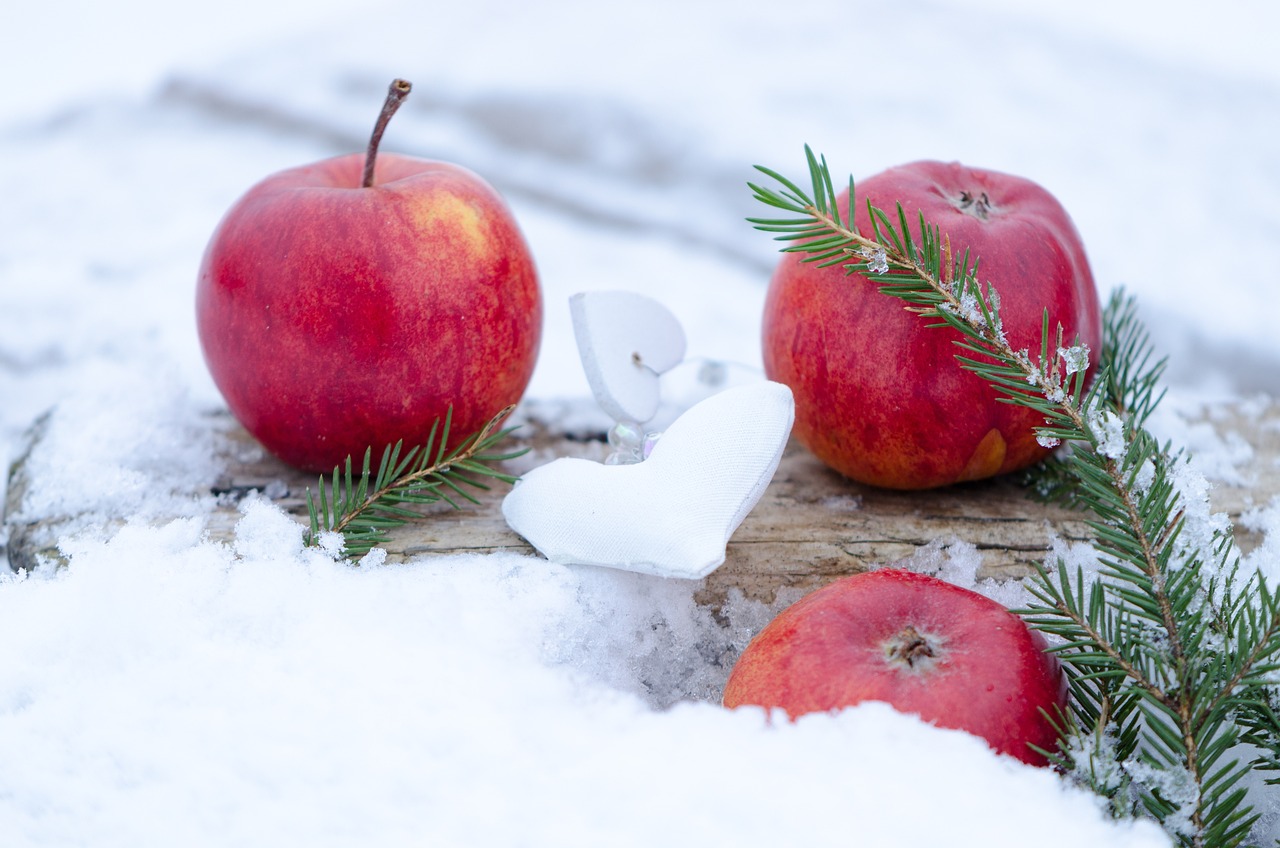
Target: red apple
x,y
951,656
338,313
879,396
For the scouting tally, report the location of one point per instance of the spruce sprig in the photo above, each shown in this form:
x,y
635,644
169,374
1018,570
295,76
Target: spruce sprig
x,y
363,508
1170,649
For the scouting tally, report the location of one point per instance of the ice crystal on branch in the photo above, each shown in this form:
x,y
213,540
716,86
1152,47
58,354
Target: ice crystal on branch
x,y
967,310
1047,441
877,260
1074,358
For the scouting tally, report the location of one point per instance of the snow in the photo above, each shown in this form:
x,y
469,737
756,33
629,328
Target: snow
x,y
1108,429
1266,557
180,695
167,689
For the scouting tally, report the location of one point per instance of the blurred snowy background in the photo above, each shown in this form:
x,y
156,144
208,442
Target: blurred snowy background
x,y
167,690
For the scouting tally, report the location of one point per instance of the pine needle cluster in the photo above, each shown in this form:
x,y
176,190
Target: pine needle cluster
x,y
1171,647
362,508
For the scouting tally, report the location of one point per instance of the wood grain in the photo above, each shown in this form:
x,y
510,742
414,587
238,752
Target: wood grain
x,y
811,526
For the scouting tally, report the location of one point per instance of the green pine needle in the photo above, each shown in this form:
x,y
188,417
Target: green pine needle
x,y
1171,654
363,508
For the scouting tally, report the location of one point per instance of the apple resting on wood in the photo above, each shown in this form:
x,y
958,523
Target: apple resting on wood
x,y
953,657
350,303
879,395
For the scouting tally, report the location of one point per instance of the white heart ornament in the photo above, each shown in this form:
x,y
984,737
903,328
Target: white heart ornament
x,y
626,341
673,514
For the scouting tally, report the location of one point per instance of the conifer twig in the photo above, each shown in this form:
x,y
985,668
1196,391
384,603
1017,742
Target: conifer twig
x,y
363,508
1169,651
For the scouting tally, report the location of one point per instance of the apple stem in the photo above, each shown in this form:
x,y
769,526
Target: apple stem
x,y
396,94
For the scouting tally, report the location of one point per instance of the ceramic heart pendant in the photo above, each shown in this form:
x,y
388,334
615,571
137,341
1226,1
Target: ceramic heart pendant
x,y
626,341
672,514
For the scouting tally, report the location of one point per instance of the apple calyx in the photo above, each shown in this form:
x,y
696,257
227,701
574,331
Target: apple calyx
x,y
396,94
979,207
912,650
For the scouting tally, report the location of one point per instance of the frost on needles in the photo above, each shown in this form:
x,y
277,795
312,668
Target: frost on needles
x,y
1169,645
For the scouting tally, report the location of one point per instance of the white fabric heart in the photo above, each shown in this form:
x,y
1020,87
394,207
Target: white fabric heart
x,y
626,341
672,514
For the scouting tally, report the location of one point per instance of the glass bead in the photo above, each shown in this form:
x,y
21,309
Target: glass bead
x,y
625,434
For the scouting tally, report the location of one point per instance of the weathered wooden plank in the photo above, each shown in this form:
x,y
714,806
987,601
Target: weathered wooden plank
x,y
811,526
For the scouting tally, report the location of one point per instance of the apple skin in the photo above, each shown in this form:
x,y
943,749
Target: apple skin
x,y
990,674
879,395
335,317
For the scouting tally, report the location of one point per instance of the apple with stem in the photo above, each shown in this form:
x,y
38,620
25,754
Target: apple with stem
x,y
351,303
879,395
953,657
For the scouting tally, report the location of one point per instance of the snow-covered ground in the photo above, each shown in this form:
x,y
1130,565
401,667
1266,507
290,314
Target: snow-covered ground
x,y
167,690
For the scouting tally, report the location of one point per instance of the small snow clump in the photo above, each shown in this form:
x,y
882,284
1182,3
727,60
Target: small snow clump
x,y
1108,428
374,558
877,260
1075,358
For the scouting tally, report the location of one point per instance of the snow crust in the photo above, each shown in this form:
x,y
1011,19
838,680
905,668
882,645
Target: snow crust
x,y
167,689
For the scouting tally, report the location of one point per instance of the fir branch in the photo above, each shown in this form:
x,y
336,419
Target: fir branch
x,y
363,508
1169,653
1127,355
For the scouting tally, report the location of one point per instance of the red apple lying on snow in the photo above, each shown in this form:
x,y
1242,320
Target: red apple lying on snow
x,y
949,655
350,303
879,396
